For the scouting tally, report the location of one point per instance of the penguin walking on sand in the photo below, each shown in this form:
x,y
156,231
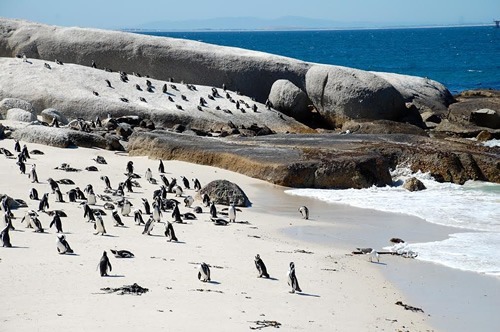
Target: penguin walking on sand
x,y
117,219
147,207
206,200
63,245
5,237
161,167
261,267
178,191
53,185
292,279
204,272
28,217
104,265
56,220
169,232
304,211
17,146
44,202
99,224
32,174
22,166
164,180
148,227
138,217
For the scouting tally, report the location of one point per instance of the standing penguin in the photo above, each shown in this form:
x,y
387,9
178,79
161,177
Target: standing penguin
x,y
206,200
232,213
106,181
147,207
164,180
25,152
292,279
17,146
304,211
156,213
44,202
185,181
99,224
32,174
63,245
188,201
169,232
34,194
104,264
88,213
261,267
37,224
22,166
91,198
130,167
148,175
213,210
204,272
57,222
117,219
196,184
176,214
126,207
138,217
178,191
5,237
59,196
53,185
148,228
161,167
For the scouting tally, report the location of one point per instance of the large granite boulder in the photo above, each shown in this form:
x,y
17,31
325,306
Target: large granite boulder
x,y
340,94
49,114
288,98
9,103
17,114
225,192
414,184
485,118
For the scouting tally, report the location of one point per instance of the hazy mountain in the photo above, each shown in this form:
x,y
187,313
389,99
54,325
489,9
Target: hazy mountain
x,y
250,23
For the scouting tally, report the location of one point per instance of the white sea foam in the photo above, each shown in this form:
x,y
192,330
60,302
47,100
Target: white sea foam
x,y
473,206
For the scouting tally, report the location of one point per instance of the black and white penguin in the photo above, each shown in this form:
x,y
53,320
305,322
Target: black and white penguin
x,y
148,227
196,184
172,184
164,180
22,167
59,196
44,202
25,152
53,185
32,174
91,198
161,167
108,83
17,146
138,217
188,201
130,167
176,214
63,245
99,224
204,272
80,194
206,200
292,279
93,64
178,191
29,217
56,220
128,184
148,175
231,213
71,195
213,210
117,219
37,225
126,208
88,213
34,194
304,211
261,267
169,232
104,265
156,213
147,207
164,89
185,181
122,253
106,181
5,237
100,160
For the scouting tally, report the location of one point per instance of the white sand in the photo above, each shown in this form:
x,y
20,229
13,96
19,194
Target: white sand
x,y
42,290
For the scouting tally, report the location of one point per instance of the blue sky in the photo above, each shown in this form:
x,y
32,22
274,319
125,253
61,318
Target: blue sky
x,y
114,14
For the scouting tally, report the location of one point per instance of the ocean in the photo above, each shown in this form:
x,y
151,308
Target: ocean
x,y
461,58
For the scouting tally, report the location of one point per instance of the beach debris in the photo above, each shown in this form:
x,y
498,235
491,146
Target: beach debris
x,y
302,251
134,289
400,249
265,323
207,290
409,307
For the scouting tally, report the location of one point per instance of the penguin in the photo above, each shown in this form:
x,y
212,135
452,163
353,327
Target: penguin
x,y
185,181
147,208
188,201
198,209
79,194
5,237
169,232
29,217
292,279
104,264
164,180
109,83
128,185
148,175
59,196
178,191
63,245
148,227
130,167
176,214
37,224
156,213
100,160
261,267
58,62
219,221
88,213
117,219
171,185
44,202
22,167
17,146
25,152
126,207
213,210
93,64
232,213
72,195
99,224
91,198
164,89
34,194
32,174
374,255
188,216
53,185
122,253
196,185
204,272
56,220
304,211
138,217
106,181
161,167
206,200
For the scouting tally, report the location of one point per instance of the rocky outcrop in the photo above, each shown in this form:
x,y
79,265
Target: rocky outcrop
x,y
469,102
414,184
381,127
340,94
49,114
17,114
63,138
9,103
225,192
287,98
485,117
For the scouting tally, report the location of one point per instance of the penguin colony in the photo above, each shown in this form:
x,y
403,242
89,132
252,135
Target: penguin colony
x,y
116,198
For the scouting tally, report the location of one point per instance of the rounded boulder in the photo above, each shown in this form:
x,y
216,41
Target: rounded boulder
x,y
17,114
289,99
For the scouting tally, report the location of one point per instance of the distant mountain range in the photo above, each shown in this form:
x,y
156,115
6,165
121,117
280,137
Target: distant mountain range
x,y
253,23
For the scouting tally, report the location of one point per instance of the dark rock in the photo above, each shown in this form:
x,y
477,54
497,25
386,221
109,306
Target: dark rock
x,y
179,128
132,120
414,184
225,192
382,127
124,130
431,116
148,124
484,136
485,118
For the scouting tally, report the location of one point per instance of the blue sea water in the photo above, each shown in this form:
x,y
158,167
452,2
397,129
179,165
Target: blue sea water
x,y
461,58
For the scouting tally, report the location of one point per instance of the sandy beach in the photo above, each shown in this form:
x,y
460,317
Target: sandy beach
x,y
43,290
